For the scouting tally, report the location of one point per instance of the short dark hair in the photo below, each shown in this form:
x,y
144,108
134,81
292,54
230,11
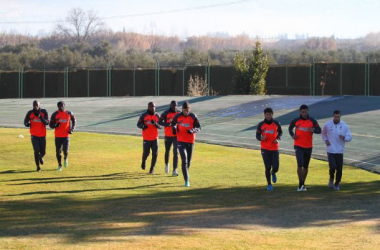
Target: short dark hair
x,y
151,104
61,103
304,106
186,105
268,110
174,102
336,112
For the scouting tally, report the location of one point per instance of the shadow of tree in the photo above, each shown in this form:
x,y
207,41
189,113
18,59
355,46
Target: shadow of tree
x,y
180,212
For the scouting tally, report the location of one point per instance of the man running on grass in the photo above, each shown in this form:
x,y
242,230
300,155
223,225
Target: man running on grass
x,y
335,134
305,127
186,125
269,132
148,122
170,139
37,119
60,121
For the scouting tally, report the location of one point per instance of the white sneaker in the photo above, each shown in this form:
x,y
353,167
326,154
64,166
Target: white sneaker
x,y
59,168
167,168
331,185
175,173
336,188
65,163
302,188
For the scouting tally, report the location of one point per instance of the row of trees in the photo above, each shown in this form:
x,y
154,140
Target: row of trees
x,y
29,55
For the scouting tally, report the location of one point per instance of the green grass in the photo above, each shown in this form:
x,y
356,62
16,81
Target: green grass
x,y
103,200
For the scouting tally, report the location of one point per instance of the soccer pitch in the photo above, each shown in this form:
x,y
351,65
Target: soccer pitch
x,y
103,200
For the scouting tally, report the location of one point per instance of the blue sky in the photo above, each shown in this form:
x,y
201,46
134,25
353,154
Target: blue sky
x,y
263,18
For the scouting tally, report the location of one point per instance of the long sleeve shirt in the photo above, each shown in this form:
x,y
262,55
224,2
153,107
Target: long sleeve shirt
x,y
37,121
66,120
271,131
148,122
331,133
304,137
186,127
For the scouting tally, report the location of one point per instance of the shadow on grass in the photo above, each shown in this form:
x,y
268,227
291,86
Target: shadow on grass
x,y
180,212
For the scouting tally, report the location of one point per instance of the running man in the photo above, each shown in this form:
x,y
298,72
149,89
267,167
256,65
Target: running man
x,y
305,127
60,121
269,132
170,139
185,125
148,122
37,119
335,134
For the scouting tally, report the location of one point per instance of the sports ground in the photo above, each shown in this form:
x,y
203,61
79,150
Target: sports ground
x,y
226,120
103,200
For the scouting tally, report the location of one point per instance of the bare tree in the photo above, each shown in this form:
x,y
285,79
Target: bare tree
x,y
81,24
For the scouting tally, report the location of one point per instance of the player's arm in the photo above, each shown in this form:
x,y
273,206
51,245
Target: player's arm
x,y
291,127
348,136
73,122
27,119
279,130
156,124
162,120
53,123
259,131
140,122
174,124
316,128
196,125
324,135
45,118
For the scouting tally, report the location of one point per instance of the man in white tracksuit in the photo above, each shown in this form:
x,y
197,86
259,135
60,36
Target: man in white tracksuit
x,y
335,134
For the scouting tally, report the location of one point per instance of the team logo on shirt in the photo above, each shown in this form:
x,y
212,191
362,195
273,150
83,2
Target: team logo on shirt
x,y
303,129
36,120
62,120
269,131
186,125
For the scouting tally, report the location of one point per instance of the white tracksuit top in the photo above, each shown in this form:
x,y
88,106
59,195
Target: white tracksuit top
x,y
331,132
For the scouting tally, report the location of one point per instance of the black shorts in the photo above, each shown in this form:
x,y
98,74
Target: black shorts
x,y
303,156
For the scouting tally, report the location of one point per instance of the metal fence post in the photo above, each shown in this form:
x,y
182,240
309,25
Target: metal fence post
x,y
134,81
44,85
88,82
157,80
368,76
183,81
313,91
341,79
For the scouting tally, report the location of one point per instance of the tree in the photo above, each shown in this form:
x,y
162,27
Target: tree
x,y
249,77
80,25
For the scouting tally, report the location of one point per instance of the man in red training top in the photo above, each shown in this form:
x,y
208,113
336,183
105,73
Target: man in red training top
x,y
37,119
170,139
305,127
148,122
60,121
186,125
269,132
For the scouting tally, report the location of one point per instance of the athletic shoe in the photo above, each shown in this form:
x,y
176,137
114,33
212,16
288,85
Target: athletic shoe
x,y
166,168
41,161
38,169
274,177
175,173
187,184
302,188
331,185
151,171
65,162
269,187
336,188
59,167
143,166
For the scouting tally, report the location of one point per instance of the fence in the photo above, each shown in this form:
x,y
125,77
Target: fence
x,y
313,79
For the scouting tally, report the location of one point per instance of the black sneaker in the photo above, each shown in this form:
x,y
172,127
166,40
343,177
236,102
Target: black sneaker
x,y
143,166
41,161
38,169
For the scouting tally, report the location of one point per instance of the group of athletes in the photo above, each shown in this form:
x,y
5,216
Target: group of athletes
x,y
180,133
62,121
335,134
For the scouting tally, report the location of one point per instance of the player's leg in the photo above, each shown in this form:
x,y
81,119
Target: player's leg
x,y
42,149
145,154
36,150
267,164
183,153
154,147
65,149
175,156
299,157
275,157
339,170
58,150
306,161
332,168
168,145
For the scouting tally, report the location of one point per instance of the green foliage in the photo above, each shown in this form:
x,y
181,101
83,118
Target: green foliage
x,y
249,77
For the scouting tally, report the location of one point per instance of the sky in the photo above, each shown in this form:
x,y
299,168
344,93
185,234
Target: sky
x,y
344,19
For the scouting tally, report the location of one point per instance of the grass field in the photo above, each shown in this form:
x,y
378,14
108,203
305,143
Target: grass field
x,y
103,200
